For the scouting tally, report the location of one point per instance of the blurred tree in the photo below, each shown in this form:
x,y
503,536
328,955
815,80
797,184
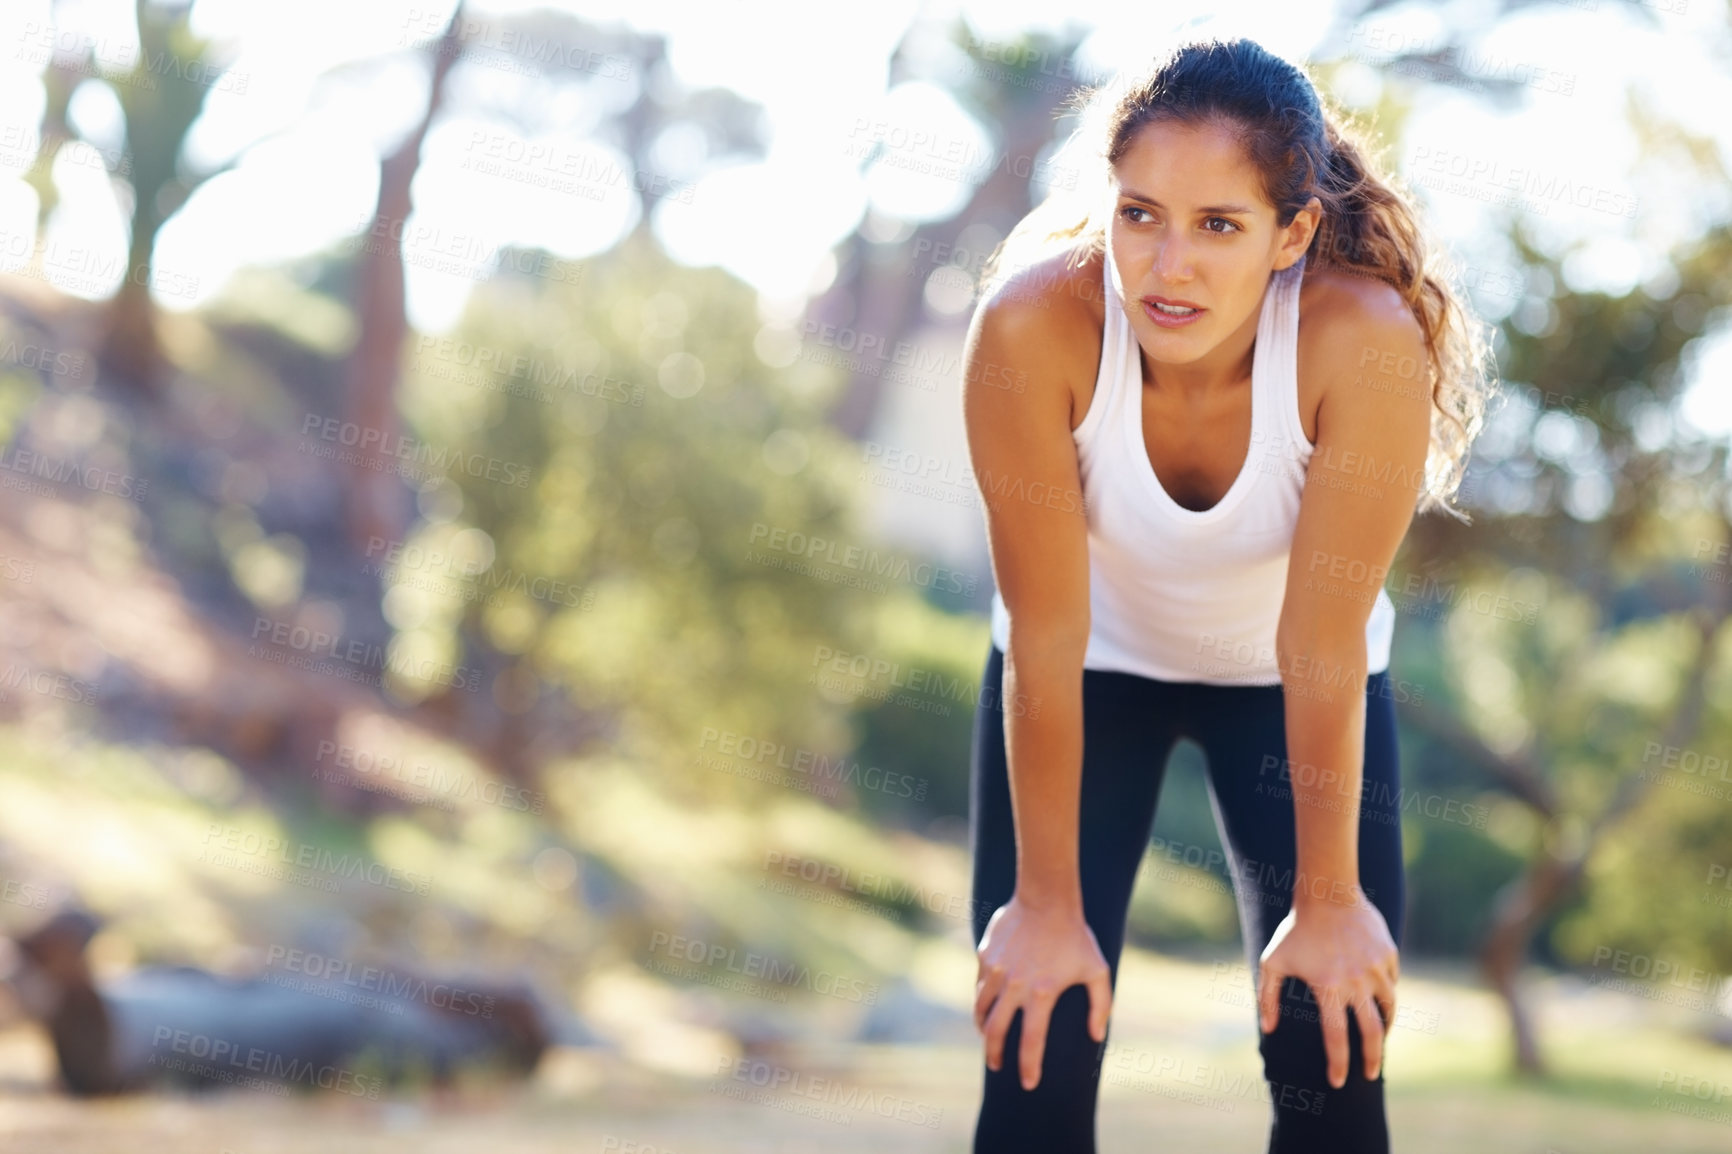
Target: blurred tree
x,y
1630,635
61,78
377,509
726,124
161,95
1014,90
682,546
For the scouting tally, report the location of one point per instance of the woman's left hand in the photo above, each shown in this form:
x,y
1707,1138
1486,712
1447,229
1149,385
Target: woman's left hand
x,y
1343,950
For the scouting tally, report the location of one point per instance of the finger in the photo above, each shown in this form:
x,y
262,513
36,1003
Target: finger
x,y
986,991
1386,998
1371,1034
1268,996
1036,1015
1333,1015
1100,1004
997,1025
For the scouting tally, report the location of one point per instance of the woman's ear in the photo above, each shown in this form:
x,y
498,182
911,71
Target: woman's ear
x,y
1296,237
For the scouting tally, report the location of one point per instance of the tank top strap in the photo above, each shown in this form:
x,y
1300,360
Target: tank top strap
x,y
1121,356
1277,360
1119,361
1287,315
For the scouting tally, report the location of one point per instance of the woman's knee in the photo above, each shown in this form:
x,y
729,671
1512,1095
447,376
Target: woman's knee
x,y
1309,1113
1058,1114
1294,1052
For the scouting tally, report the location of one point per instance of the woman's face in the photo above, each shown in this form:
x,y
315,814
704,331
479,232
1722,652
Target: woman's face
x,y
1190,224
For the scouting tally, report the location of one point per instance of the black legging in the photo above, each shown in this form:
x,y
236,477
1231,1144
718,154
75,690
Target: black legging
x,y
1130,724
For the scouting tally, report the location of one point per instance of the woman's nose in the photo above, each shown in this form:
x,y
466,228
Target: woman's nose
x,y
1173,262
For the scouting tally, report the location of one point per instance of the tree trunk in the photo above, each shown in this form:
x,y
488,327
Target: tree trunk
x,y
377,500
130,349
1525,902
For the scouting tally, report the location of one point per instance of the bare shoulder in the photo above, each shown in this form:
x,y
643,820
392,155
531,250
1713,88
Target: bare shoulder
x,y
1042,324
1350,319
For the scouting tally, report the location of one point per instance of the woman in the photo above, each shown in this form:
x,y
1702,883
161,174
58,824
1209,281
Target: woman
x,y
1237,374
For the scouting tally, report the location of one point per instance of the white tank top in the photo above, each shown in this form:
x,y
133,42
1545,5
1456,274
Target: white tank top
x,y
1181,595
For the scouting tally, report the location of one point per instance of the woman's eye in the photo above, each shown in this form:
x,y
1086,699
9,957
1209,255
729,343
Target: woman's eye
x,y
1231,227
1130,208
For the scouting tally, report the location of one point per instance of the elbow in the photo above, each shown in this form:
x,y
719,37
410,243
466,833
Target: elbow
x,y
1306,656
1056,643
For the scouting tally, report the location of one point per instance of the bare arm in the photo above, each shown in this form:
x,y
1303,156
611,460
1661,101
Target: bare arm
x,y
1025,462
1020,366
1373,429
1359,499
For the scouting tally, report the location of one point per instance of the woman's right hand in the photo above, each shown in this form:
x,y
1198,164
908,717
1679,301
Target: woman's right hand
x,y
1029,955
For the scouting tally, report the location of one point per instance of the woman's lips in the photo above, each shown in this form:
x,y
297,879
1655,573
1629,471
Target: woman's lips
x,y
1167,320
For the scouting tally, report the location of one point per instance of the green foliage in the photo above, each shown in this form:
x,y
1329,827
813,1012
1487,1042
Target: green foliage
x,y
928,733
634,570
1453,873
1659,885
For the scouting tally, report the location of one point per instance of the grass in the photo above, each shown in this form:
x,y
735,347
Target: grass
x,y
1616,1060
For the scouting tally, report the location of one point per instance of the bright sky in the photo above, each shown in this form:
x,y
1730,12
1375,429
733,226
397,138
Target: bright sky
x,y
316,87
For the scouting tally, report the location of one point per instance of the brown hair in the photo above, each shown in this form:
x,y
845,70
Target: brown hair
x,y
1303,148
